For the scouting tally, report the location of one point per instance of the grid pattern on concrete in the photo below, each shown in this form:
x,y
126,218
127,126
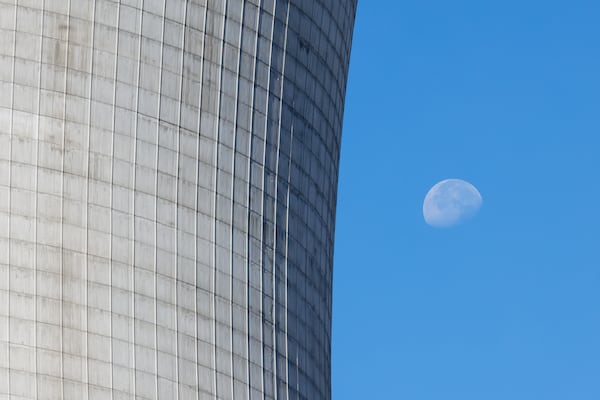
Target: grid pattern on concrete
x,y
168,175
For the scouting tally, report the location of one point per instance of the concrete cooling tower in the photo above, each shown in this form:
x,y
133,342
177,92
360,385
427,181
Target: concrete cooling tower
x,y
168,178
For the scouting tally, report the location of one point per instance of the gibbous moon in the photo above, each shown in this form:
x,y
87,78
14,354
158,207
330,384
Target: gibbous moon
x,y
451,202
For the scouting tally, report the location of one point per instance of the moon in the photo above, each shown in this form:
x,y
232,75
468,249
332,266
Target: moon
x,y
451,202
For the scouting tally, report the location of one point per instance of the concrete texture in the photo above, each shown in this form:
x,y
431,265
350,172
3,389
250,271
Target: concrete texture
x,y
168,175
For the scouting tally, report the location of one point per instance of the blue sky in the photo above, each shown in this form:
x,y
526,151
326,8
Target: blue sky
x,y
505,95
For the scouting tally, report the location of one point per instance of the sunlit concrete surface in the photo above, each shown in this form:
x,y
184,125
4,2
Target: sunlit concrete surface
x,y
168,175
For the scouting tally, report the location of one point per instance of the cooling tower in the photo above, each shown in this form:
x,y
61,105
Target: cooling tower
x,y
168,177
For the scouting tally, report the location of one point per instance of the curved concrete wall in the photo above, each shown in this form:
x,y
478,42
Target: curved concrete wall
x,y
168,175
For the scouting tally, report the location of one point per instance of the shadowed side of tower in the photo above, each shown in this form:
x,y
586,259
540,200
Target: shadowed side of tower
x,y
168,178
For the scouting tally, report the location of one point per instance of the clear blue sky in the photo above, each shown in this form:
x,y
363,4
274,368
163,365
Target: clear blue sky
x,y
506,95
